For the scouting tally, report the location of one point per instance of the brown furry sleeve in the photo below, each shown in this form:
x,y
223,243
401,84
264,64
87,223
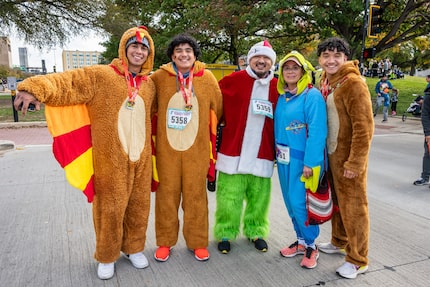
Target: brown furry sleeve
x,y
67,88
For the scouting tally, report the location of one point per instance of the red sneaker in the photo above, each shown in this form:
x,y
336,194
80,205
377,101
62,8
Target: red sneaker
x,y
293,250
310,259
162,253
201,254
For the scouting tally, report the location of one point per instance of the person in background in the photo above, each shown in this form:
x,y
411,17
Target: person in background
x,y
425,121
189,105
427,88
394,100
386,103
350,131
118,99
300,139
387,66
246,156
382,89
374,69
241,65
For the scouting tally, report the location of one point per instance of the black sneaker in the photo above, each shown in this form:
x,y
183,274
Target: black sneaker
x,y
211,186
421,181
260,244
224,246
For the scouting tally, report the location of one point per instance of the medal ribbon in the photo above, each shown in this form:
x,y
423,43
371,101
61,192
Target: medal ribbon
x,y
186,93
132,93
327,89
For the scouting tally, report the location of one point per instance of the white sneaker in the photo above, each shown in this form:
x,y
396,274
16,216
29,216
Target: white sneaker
x,y
350,271
330,248
138,260
106,270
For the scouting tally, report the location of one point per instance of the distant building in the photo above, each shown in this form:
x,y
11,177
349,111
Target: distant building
x,y
43,67
23,58
37,70
5,52
80,59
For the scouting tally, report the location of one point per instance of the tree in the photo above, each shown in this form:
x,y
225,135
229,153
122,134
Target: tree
x,y
402,20
8,72
411,54
48,23
226,29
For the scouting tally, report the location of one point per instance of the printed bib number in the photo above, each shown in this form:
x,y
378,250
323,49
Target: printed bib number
x,y
178,119
262,107
282,154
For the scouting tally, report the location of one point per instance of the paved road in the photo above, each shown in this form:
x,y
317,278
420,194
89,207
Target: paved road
x,y
47,237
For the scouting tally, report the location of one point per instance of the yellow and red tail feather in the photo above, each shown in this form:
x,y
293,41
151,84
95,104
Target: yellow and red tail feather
x,y
72,147
213,123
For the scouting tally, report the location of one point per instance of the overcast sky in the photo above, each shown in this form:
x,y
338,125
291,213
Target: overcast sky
x,y
53,57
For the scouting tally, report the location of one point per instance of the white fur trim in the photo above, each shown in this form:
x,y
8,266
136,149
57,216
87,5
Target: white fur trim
x,y
248,161
258,50
229,165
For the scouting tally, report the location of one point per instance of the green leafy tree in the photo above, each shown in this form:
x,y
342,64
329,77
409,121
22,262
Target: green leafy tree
x,y
48,23
411,54
226,29
8,72
402,21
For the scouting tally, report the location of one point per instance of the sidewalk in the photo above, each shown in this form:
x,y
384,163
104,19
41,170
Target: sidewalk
x,y
48,240
25,133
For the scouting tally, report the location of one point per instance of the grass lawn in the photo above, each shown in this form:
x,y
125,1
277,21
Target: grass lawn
x,y
7,115
407,87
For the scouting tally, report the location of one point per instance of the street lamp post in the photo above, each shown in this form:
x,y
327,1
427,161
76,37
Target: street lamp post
x,y
365,23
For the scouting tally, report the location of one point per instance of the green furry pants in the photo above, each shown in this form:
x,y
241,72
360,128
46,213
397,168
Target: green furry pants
x,y
232,191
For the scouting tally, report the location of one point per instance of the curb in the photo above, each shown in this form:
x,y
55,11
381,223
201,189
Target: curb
x,y
6,145
18,125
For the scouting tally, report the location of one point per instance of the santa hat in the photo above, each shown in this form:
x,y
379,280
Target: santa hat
x,y
262,48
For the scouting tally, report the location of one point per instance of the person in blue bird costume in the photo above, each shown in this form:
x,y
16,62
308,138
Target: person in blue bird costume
x,y
300,138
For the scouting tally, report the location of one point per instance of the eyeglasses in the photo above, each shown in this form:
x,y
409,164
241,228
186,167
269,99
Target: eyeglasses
x,y
291,69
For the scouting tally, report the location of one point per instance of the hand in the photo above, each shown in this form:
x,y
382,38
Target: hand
x,y
23,99
349,173
307,172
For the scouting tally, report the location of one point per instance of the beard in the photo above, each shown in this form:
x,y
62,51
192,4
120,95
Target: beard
x,y
261,75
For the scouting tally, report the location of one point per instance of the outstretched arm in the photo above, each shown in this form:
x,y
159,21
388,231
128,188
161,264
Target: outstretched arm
x,y
23,100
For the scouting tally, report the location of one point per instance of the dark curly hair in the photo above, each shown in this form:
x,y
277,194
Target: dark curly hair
x,y
183,39
334,43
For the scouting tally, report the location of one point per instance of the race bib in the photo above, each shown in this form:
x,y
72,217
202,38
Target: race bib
x,y
262,107
178,119
282,154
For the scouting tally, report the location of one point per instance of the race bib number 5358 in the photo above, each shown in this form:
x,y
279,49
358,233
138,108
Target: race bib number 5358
x,y
178,119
